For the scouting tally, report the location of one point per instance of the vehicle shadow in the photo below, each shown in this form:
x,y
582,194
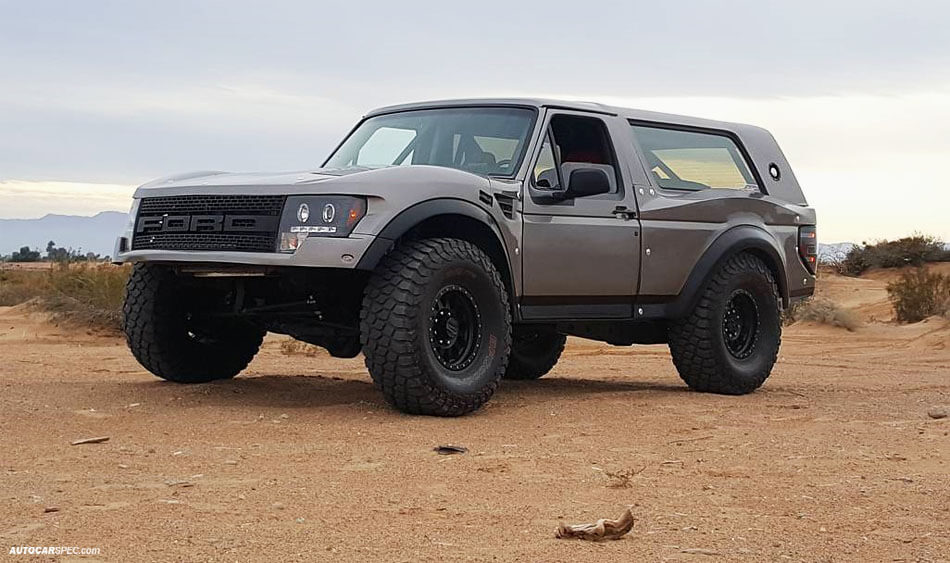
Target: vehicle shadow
x,y
277,391
564,386
314,391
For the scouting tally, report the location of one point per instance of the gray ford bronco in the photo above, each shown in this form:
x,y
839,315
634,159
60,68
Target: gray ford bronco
x,y
458,243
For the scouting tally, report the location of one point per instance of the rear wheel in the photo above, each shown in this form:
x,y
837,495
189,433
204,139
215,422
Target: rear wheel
x,y
535,351
435,327
730,341
169,332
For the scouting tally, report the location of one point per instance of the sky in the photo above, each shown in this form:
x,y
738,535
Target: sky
x,y
97,97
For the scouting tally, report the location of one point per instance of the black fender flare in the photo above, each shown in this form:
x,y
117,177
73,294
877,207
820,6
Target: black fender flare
x,y
742,238
408,218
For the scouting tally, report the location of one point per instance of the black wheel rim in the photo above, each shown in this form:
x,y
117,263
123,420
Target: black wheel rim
x,y
454,328
740,325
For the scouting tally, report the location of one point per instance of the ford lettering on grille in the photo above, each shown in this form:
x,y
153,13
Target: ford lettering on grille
x,y
228,222
205,224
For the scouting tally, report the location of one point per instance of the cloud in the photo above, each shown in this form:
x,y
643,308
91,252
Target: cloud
x,y
27,200
113,94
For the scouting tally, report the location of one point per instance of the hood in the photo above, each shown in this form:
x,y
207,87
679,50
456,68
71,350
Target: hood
x,y
220,178
357,181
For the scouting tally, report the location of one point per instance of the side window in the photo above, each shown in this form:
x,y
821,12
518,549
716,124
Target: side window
x,y
688,160
583,142
545,169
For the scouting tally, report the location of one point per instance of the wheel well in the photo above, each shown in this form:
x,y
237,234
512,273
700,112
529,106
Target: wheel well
x,y
468,229
745,238
777,272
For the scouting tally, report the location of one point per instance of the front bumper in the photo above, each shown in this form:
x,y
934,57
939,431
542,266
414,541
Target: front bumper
x,y
315,252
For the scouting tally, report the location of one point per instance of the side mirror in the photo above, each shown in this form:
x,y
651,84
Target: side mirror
x,y
585,182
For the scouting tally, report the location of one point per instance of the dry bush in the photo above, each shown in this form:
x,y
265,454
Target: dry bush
x,y
19,286
824,311
919,294
87,293
914,250
291,347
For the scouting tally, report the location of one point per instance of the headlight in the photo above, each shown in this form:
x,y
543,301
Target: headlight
x,y
318,216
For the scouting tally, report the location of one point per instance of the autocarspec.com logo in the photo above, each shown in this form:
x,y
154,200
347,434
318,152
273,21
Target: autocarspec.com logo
x,y
53,550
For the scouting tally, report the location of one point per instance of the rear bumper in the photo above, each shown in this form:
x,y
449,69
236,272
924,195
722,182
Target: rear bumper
x,y
315,252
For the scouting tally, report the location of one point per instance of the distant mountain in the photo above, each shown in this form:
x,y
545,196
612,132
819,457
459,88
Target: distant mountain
x,y
91,234
832,251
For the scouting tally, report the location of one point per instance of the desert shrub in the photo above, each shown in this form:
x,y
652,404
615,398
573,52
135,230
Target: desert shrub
x,y
919,294
824,311
20,286
90,294
14,294
914,250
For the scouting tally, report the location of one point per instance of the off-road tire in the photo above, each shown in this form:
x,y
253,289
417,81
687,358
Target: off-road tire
x,y
396,324
535,351
699,343
161,336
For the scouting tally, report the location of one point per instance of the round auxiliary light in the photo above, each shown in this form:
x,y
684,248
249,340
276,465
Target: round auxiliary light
x,y
329,212
303,213
774,172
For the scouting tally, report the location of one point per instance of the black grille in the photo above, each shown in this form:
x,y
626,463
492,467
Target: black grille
x,y
207,204
237,223
205,241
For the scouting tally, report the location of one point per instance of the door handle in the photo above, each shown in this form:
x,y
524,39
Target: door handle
x,y
621,212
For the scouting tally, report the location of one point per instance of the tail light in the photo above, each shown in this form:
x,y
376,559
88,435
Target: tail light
x,y
808,247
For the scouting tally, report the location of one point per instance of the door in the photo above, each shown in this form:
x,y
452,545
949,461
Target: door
x,y
580,256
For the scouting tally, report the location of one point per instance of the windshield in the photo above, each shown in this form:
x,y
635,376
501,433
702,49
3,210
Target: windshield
x,y
488,141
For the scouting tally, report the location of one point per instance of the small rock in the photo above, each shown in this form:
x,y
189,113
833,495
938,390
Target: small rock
x,y
179,483
284,416
938,412
278,506
49,509
230,462
449,450
300,520
700,551
123,466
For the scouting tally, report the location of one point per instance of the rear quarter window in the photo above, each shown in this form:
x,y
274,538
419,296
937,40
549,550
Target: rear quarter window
x,y
690,160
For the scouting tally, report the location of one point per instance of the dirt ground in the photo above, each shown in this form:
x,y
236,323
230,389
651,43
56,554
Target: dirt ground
x,y
834,459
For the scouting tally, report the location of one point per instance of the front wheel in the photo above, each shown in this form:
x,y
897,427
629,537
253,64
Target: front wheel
x,y
170,334
729,342
435,327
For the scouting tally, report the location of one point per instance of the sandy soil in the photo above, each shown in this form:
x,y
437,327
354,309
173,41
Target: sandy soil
x,y
835,459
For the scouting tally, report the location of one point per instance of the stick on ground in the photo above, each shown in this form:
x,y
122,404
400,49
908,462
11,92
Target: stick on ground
x,y
97,440
603,529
